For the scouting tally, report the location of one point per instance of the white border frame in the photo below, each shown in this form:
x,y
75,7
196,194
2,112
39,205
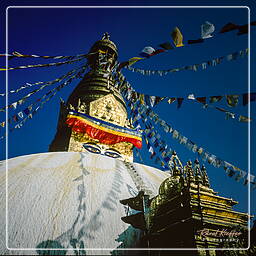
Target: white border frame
x,y
129,249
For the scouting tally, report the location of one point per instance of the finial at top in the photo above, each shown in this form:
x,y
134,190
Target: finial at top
x,y
106,36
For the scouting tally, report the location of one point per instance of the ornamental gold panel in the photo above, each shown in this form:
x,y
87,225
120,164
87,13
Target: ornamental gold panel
x,y
108,109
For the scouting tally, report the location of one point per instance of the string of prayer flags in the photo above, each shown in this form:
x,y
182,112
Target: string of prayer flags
x,y
43,65
28,110
206,30
233,101
150,101
239,175
27,85
20,55
68,81
151,136
137,153
29,113
206,156
194,67
177,37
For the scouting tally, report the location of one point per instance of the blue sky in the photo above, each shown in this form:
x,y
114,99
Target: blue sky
x,y
71,31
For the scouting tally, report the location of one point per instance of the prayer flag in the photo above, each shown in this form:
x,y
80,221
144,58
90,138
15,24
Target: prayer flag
x,y
157,160
147,51
15,118
214,99
166,46
177,37
248,97
157,52
123,64
229,27
201,99
240,175
20,114
230,115
14,105
134,60
26,111
243,30
230,172
171,100
244,119
191,97
180,100
200,150
175,134
232,100
141,98
158,99
207,29
148,100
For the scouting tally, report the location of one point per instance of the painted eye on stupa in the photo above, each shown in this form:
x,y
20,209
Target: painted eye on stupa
x,y
112,154
92,148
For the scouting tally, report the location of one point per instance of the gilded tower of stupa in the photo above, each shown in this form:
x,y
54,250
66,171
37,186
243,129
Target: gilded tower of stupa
x,y
97,97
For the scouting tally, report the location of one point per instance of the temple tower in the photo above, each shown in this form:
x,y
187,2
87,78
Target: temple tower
x,y
188,213
98,97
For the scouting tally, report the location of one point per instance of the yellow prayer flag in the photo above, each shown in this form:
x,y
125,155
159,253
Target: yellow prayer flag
x,y
141,99
134,60
177,37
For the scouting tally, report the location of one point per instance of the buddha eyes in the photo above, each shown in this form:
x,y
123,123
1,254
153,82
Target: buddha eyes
x,y
96,150
92,149
112,154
